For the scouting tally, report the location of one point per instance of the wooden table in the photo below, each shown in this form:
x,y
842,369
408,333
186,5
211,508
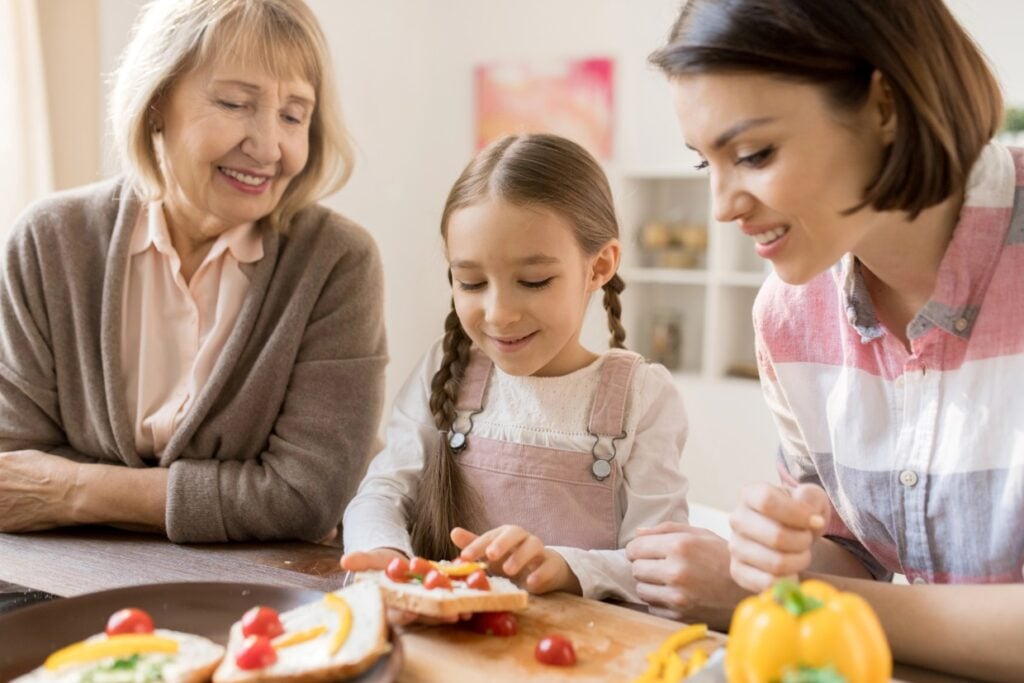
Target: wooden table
x,y
611,642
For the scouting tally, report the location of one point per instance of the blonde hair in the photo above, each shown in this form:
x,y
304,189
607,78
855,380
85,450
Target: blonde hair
x,y
173,37
538,169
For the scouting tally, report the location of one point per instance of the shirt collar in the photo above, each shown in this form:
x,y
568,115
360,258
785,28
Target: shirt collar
x,y
966,267
243,241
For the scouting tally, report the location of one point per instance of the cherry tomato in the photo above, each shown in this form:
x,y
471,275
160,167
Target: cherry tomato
x,y
420,567
129,620
501,624
261,621
398,570
478,581
437,579
555,650
256,653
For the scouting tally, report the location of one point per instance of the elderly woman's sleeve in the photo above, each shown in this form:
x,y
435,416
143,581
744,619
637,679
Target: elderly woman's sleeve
x,y
324,434
30,416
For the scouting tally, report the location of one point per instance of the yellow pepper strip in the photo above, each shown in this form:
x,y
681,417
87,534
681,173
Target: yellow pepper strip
x,y
338,604
111,646
659,661
296,637
459,570
697,660
675,668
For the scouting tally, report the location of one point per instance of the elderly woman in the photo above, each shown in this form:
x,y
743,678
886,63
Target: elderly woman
x,y
196,348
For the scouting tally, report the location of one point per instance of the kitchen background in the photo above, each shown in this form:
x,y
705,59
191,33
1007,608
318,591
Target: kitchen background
x,y
406,74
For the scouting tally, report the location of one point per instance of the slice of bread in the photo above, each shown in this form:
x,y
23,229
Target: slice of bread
x,y
311,660
504,596
195,660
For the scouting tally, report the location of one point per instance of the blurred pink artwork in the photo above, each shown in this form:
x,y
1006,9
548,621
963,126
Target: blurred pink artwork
x,y
572,98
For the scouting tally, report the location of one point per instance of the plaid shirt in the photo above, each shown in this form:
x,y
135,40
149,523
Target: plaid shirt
x,y
921,452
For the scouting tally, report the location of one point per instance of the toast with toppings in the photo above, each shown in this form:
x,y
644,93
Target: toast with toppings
x,y
335,638
445,589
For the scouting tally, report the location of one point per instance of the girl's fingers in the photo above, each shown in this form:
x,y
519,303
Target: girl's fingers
x,y
373,559
750,578
815,498
462,537
541,579
506,540
529,550
478,546
751,524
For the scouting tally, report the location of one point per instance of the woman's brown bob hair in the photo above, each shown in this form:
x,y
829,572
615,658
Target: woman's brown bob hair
x,y
172,37
947,102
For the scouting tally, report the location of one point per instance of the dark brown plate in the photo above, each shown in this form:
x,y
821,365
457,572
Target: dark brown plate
x,y
30,634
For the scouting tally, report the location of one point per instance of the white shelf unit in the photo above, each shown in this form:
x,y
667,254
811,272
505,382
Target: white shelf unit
x,y
711,303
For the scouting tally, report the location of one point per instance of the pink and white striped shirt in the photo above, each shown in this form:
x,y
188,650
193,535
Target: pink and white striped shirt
x,y
921,452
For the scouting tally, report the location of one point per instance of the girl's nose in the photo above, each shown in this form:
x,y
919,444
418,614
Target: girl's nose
x,y
501,310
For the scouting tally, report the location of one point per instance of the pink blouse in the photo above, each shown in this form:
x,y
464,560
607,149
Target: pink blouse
x,y
172,331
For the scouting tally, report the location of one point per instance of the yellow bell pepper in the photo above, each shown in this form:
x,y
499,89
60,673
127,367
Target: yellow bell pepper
x,y
806,633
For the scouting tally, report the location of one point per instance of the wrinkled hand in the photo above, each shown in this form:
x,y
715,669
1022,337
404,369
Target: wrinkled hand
x,y
773,532
684,570
519,555
36,491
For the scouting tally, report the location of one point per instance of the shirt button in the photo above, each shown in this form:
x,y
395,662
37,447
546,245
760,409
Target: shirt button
x,y
918,581
908,478
961,324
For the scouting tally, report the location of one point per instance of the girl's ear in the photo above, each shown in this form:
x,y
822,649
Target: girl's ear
x,y
604,265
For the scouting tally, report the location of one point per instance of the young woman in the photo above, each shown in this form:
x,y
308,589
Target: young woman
x,y
851,141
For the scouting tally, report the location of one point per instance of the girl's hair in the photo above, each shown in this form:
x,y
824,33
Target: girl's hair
x,y
947,102
173,37
537,169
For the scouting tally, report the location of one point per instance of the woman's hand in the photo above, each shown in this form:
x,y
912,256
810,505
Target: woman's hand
x,y
36,491
773,532
519,555
684,572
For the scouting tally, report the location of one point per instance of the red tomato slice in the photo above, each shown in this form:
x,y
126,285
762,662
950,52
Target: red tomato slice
x,y
420,567
437,579
256,653
129,620
502,624
555,650
261,621
398,570
478,581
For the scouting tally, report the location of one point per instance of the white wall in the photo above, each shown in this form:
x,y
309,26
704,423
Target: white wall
x,y
404,68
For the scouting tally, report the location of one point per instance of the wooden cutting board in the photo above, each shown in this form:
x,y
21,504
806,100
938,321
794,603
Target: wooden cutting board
x,y
611,644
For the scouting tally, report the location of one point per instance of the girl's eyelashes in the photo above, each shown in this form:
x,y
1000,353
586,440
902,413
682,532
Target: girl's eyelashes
x,y
757,159
470,286
539,284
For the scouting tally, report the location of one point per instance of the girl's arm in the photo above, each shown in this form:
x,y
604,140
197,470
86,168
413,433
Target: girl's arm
x,y
379,515
968,630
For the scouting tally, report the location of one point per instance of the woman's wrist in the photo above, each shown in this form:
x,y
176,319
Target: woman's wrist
x,y
113,494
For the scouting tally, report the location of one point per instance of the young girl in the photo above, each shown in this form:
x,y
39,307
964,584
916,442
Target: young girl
x,y
851,140
512,441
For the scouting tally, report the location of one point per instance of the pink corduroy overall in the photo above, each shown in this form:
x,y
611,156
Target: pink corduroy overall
x,y
566,498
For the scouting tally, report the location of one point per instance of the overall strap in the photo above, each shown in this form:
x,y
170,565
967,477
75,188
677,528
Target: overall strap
x,y
608,412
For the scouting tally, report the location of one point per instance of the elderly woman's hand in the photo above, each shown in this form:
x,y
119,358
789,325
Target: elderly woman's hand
x,y
35,490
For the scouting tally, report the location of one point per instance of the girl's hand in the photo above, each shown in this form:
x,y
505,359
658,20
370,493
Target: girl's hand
x,y
37,491
773,531
519,555
377,558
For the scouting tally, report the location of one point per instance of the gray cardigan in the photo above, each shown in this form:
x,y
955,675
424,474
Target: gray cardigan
x,y
276,443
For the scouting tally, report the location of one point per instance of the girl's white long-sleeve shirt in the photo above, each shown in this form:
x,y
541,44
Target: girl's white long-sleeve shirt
x,y
550,412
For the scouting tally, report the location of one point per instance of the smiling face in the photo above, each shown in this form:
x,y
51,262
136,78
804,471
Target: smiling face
x,y
521,285
232,140
786,165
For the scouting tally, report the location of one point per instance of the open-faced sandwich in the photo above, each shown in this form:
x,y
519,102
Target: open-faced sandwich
x,y
444,589
334,638
131,650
